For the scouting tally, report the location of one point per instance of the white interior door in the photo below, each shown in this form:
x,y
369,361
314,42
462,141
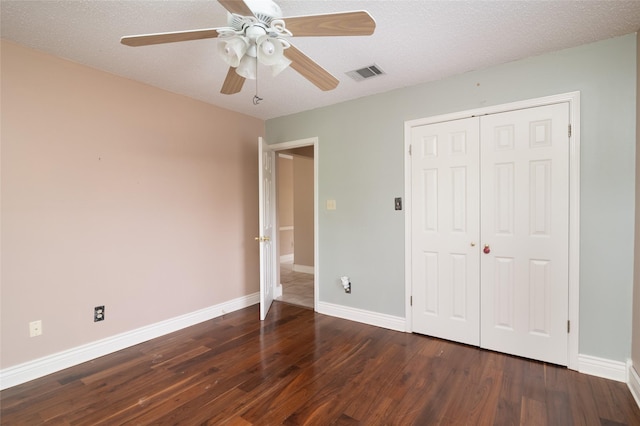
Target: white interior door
x,y
445,259
525,229
266,195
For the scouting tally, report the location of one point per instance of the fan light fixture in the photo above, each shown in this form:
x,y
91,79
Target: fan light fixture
x,y
251,41
256,33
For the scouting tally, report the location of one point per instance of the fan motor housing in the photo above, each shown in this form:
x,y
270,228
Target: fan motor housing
x,y
264,10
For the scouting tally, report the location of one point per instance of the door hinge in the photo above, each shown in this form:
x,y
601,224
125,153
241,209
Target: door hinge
x,y
569,130
568,326
410,300
409,149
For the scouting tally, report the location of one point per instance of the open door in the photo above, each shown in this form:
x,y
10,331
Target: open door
x,y
267,217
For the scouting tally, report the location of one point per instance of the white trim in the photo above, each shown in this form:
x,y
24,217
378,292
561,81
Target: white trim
x,y
316,228
305,269
277,292
408,206
286,156
495,109
574,228
633,382
573,98
285,228
31,370
286,258
602,367
360,315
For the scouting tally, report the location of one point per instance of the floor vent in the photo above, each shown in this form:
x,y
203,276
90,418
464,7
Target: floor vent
x,y
366,73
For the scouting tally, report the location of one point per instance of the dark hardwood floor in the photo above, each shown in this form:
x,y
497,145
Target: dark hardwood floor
x,y
299,367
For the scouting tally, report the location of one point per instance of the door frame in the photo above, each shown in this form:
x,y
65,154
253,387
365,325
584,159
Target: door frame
x,y
573,98
281,147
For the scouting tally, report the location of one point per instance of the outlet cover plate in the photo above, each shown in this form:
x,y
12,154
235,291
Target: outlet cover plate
x,y
98,313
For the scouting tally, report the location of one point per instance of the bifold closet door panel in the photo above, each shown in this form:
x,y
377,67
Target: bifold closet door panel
x,y
445,230
524,217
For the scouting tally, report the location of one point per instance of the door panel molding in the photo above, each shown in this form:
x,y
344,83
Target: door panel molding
x,y
573,98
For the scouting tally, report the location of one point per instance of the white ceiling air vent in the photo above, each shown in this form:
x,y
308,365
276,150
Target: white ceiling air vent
x,y
365,73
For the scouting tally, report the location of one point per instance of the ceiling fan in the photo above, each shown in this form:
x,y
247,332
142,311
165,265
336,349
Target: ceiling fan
x,y
257,33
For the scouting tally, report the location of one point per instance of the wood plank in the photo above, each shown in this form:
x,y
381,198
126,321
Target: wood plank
x,y
533,413
479,404
583,406
511,389
557,389
449,385
300,367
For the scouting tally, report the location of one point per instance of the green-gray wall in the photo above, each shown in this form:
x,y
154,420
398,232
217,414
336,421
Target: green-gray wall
x,y
361,166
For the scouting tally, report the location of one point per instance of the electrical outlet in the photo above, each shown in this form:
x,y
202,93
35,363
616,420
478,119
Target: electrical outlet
x,y
346,283
98,313
35,328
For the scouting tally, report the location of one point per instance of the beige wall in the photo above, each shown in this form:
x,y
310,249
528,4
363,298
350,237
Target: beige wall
x,y
285,203
303,210
116,193
635,323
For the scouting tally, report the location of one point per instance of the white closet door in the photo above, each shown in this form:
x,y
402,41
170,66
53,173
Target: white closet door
x,y
445,255
525,228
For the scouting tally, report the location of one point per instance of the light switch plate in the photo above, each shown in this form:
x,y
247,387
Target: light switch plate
x,y
331,204
398,203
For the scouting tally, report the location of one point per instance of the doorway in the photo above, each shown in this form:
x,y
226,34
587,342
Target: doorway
x,y
296,239
295,206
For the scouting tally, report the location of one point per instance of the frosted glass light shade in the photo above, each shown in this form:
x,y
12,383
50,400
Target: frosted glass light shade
x,y
244,52
280,66
269,51
247,67
232,50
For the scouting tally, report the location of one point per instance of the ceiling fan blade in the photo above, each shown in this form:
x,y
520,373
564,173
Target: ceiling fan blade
x,y
159,38
232,83
310,70
356,23
238,7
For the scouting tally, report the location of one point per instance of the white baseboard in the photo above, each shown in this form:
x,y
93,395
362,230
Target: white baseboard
x,y
303,268
606,368
286,258
633,382
31,370
359,315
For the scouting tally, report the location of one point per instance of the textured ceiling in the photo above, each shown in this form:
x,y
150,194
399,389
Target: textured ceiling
x,y
414,42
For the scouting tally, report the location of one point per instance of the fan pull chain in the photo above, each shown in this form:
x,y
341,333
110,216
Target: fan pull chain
x,y
257,99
